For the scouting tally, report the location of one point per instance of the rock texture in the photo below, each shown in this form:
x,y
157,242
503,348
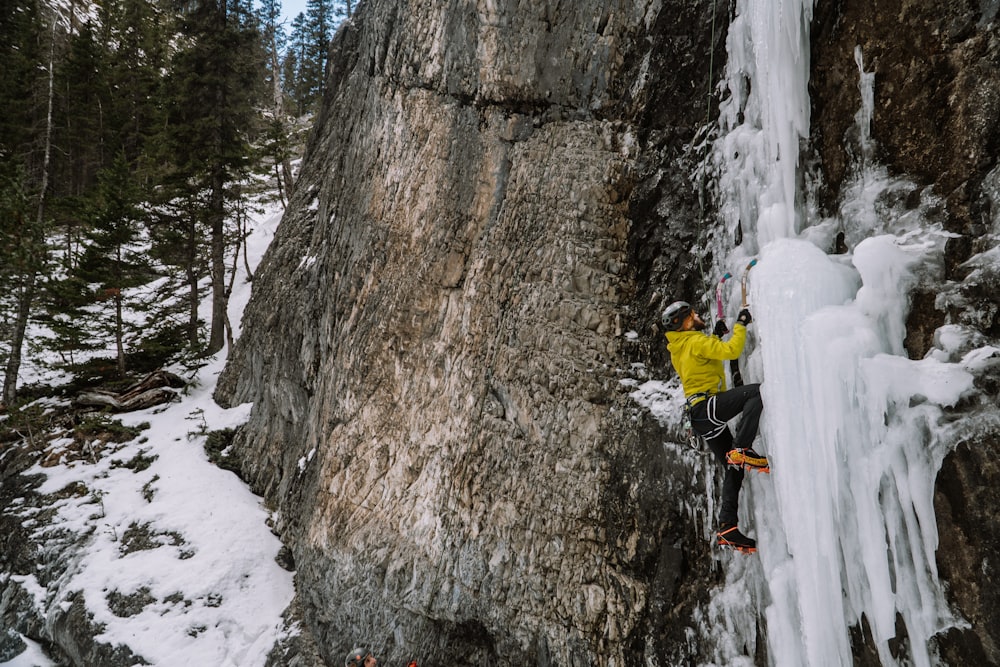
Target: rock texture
x,y
494,194
440,419
937,90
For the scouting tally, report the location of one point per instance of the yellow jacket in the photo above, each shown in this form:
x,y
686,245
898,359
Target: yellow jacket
x,y
697,357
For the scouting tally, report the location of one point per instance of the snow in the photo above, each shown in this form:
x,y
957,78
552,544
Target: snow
x,y
32,656
664,400
853,428
215,593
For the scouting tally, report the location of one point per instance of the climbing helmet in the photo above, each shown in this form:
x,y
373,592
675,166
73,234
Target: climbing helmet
x,y
675,314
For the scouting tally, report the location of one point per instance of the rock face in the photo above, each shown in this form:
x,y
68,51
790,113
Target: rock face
x,y
494,194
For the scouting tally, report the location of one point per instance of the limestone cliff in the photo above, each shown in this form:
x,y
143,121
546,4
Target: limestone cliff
x,y
493,195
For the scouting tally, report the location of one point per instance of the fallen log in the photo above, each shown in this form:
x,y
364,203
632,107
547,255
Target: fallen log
x,y
154,389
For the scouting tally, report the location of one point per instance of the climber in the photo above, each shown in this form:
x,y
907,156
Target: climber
x,y
360,657
698,359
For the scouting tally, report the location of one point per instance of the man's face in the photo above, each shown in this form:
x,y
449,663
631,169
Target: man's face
x,y
693,322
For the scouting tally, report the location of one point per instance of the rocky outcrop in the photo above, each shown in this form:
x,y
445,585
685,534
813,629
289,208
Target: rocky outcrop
x,y
937,92
440,418
29,563
495,194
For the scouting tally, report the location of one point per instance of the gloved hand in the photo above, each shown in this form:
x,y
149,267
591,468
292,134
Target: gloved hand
x,y
744,317
721,329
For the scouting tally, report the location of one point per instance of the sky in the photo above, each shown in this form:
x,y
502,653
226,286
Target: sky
x,y
290,9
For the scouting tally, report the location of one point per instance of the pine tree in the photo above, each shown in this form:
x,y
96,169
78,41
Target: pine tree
x,y
104,105
293,68
105,102
319,32
113,261
277,141
122,104
135,76
21,80
215,86
21,257
80,110
25,148
304,69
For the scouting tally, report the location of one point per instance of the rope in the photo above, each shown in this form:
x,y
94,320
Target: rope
x,y
711,66
706,285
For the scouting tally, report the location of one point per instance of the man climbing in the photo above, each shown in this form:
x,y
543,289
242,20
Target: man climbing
x,y
698,359
361,657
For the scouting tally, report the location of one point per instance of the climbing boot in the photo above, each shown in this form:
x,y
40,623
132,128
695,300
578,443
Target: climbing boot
x,y
730,536
748,459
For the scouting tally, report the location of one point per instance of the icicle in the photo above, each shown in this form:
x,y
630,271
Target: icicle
x,y
866,85
766,115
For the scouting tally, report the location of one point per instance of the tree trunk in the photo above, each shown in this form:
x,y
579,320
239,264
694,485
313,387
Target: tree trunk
x,y
217,213
244,234
26,293
241,237
192,278
217,217
285,174
286,171
119,344
281,190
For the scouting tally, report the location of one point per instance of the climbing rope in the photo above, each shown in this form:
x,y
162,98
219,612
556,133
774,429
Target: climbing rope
x,y
708,118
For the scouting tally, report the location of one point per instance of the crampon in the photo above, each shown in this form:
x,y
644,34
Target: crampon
x,y
748,459
730,536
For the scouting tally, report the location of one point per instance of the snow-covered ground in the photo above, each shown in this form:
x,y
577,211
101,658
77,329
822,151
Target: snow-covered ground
x,y
179,564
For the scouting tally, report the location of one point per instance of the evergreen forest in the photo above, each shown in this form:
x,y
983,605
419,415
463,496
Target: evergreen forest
x,y
131,135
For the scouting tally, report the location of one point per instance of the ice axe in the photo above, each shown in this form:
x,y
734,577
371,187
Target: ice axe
x,y
734,365
743,281
718,298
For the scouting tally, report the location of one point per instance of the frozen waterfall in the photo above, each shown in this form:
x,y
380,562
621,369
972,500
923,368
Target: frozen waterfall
x,y
845,523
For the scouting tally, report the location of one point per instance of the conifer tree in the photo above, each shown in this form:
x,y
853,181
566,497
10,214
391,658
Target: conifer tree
x,y
80,119
277,144
21,257
105,105
28,53
304,68
113,261
293,69
319,32
214,92
105,102
21,55
122,104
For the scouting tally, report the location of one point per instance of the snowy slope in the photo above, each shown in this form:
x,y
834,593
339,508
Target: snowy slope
x,y
178,563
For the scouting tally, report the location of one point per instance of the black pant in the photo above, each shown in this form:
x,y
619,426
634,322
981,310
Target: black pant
x,y
708,419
